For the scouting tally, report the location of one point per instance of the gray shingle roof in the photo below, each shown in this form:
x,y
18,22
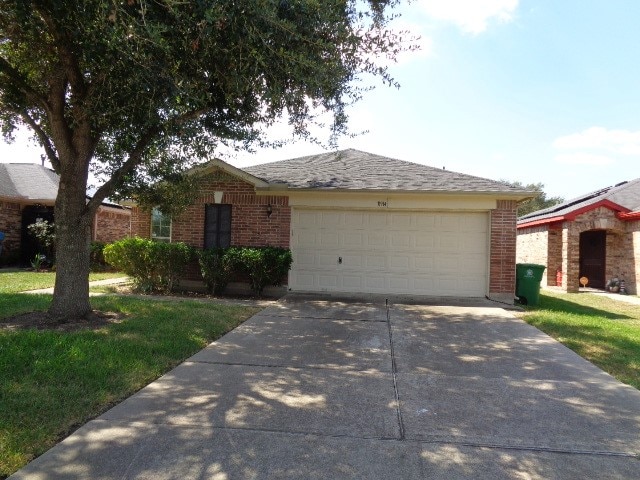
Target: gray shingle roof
x,y
356,170
28,181
625,194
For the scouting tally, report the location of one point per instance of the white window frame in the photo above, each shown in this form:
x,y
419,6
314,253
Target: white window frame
x,y
154,212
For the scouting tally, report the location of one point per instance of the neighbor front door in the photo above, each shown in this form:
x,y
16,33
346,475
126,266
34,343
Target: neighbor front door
x,y
593,247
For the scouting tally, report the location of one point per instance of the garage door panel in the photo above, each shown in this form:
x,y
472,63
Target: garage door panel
x,y
377,220
403,263
398,283
354,219
306,238
305,219
402,240
422,253
375,283
329,240
351,261
353,239
425,242
375,240
375,262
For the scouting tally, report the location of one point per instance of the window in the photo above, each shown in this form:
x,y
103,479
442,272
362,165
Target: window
x,y
160,226
217,226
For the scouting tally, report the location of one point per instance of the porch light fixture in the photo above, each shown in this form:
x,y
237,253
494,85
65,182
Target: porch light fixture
x,y
269,210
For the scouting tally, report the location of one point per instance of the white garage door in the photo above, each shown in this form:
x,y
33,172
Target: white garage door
x,y
418,253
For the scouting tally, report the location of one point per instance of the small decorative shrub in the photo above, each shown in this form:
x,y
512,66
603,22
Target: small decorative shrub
x,y
216,267
153,266
45,234
264,265
39,262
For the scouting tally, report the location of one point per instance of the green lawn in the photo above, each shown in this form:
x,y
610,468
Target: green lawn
x,y
606,332
12,282
51,382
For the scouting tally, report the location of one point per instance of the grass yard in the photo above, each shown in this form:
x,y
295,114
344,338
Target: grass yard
x,y
51,382
12,282
606,332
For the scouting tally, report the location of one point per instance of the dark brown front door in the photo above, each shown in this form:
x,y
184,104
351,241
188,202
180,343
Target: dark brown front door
x,y
593,247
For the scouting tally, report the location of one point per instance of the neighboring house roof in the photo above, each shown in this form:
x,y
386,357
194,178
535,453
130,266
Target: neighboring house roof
x,y
33,183
624,198
28,181
356,170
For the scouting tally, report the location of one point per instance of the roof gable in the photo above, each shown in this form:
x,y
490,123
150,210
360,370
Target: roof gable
x,y
356,170
216,165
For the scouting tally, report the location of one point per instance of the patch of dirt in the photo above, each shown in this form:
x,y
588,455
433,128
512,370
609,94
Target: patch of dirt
x,y
42,321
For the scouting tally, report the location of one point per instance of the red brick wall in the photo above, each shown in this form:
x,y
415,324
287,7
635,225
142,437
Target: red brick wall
x,y
11,225
502,267
111,224
250,226
542,245
140,222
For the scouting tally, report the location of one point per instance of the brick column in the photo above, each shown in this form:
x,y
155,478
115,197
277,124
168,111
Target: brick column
x,y
502,267
570,257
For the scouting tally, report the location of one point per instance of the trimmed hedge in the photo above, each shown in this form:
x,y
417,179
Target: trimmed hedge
x,y
157,266
153,266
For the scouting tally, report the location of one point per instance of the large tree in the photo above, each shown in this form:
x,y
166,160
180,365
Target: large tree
x,y
137,89
539,202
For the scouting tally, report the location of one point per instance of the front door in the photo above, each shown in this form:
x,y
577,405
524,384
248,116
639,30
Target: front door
x,y
593,247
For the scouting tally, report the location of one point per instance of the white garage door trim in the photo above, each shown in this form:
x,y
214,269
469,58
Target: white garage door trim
x,y
396,252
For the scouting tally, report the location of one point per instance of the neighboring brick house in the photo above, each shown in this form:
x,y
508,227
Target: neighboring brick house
x,y
28,192
596,236
358,223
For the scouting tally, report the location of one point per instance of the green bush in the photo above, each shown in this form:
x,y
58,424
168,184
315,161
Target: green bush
x,y
153,266
96,257
263,265
216,267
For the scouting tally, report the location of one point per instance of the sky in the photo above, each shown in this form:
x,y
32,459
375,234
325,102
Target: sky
x,y
535,91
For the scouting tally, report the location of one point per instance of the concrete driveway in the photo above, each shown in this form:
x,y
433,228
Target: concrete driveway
x,y
318,389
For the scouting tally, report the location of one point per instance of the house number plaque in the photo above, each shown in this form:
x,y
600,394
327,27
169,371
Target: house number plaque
x,y
382,203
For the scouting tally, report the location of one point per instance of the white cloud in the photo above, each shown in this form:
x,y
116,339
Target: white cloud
x,y
584,159
621,142
471,16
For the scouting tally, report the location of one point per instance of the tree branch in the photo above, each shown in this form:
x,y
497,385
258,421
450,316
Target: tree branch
x,y
136,156
44,140
20,81
67,58
134,159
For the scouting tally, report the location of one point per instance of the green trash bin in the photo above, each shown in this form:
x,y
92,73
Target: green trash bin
x,y
528,278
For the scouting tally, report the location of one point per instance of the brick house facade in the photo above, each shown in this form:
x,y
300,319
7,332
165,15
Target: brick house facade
x,y
250,224
262,206
559,239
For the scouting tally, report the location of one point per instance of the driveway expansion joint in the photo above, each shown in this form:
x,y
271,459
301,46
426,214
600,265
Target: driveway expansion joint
x,y
394,373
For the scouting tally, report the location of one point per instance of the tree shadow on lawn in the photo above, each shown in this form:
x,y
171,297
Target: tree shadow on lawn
x,y
560,305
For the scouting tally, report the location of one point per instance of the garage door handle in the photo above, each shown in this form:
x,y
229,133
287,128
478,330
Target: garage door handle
x,y
339,259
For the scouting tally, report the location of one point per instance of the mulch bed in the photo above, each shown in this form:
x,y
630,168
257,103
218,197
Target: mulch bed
x,y
42,321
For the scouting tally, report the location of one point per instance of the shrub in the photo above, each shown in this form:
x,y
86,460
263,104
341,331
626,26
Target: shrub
x,y
96,256
264,265
153,266
216,267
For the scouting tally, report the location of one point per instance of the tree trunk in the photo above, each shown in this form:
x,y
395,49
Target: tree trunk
x,y
73,237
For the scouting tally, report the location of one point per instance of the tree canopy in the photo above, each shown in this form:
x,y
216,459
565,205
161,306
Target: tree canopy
x,y
135,90
537,203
